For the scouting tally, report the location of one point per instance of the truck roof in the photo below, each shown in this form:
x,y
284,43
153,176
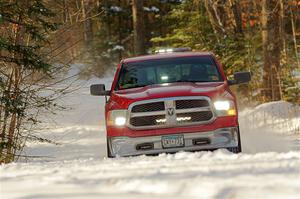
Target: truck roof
x,y
165,56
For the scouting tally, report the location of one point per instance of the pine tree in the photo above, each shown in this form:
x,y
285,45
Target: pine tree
x,y
24,28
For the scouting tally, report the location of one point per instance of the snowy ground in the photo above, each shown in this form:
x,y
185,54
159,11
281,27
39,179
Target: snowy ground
x,y
269,167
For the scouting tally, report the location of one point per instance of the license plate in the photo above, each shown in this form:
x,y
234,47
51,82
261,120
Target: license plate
x,y
172,141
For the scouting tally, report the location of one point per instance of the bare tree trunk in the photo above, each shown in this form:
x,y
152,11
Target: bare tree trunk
x,y
272,46
138,27
65,12
284,54
236,10
16,81
87,21
120,32
4,120
214,19
15,115
293,19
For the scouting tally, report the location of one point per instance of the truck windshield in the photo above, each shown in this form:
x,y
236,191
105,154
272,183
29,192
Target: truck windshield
x,y
187,69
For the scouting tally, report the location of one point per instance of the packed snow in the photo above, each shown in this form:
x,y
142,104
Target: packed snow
x,y
151,9
118,48
76,167
116,9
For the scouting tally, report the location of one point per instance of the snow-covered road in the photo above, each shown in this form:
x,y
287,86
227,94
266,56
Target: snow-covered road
x,y
269,167
182,175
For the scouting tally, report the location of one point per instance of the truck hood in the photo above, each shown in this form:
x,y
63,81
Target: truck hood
x,y
123,98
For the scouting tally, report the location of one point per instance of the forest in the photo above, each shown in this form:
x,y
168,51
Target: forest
x,y
41,39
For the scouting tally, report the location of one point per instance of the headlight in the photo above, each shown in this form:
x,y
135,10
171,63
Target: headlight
x,y
224,108
222,105
117,117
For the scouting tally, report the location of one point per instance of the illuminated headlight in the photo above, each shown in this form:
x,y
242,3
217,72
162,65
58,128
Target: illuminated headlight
x,y
224,108
120,121
222,105
164,77
117,117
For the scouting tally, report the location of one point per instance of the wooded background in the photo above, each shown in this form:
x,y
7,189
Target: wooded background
x,y
261,36
40,39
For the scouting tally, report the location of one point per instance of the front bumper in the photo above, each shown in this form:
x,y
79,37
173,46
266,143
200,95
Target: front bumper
x,y
220,138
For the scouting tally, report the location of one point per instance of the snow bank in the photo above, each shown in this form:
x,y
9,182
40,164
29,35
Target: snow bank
x,y
279,117
273,126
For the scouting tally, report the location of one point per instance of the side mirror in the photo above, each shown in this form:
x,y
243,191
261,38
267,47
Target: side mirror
x,y
99,90
240,78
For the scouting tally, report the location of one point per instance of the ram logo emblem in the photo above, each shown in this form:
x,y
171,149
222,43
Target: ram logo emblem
x,y
170,111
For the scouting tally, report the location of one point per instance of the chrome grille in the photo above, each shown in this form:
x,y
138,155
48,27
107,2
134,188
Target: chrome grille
x,y
195,103
152,106
196,116
146,120
170,112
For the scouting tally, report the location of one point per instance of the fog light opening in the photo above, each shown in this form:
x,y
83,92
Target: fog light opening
x,y
201,141
145,146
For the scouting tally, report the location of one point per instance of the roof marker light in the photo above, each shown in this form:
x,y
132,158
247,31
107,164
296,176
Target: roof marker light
x,y
171,50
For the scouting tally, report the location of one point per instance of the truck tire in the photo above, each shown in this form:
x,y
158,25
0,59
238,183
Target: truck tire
x,y
108,149
237,149
234,149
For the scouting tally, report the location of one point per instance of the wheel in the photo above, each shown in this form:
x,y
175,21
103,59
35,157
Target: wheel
x,y
237,149
108,149
234,149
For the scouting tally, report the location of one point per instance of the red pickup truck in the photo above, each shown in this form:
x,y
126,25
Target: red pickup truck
x,y
170,102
